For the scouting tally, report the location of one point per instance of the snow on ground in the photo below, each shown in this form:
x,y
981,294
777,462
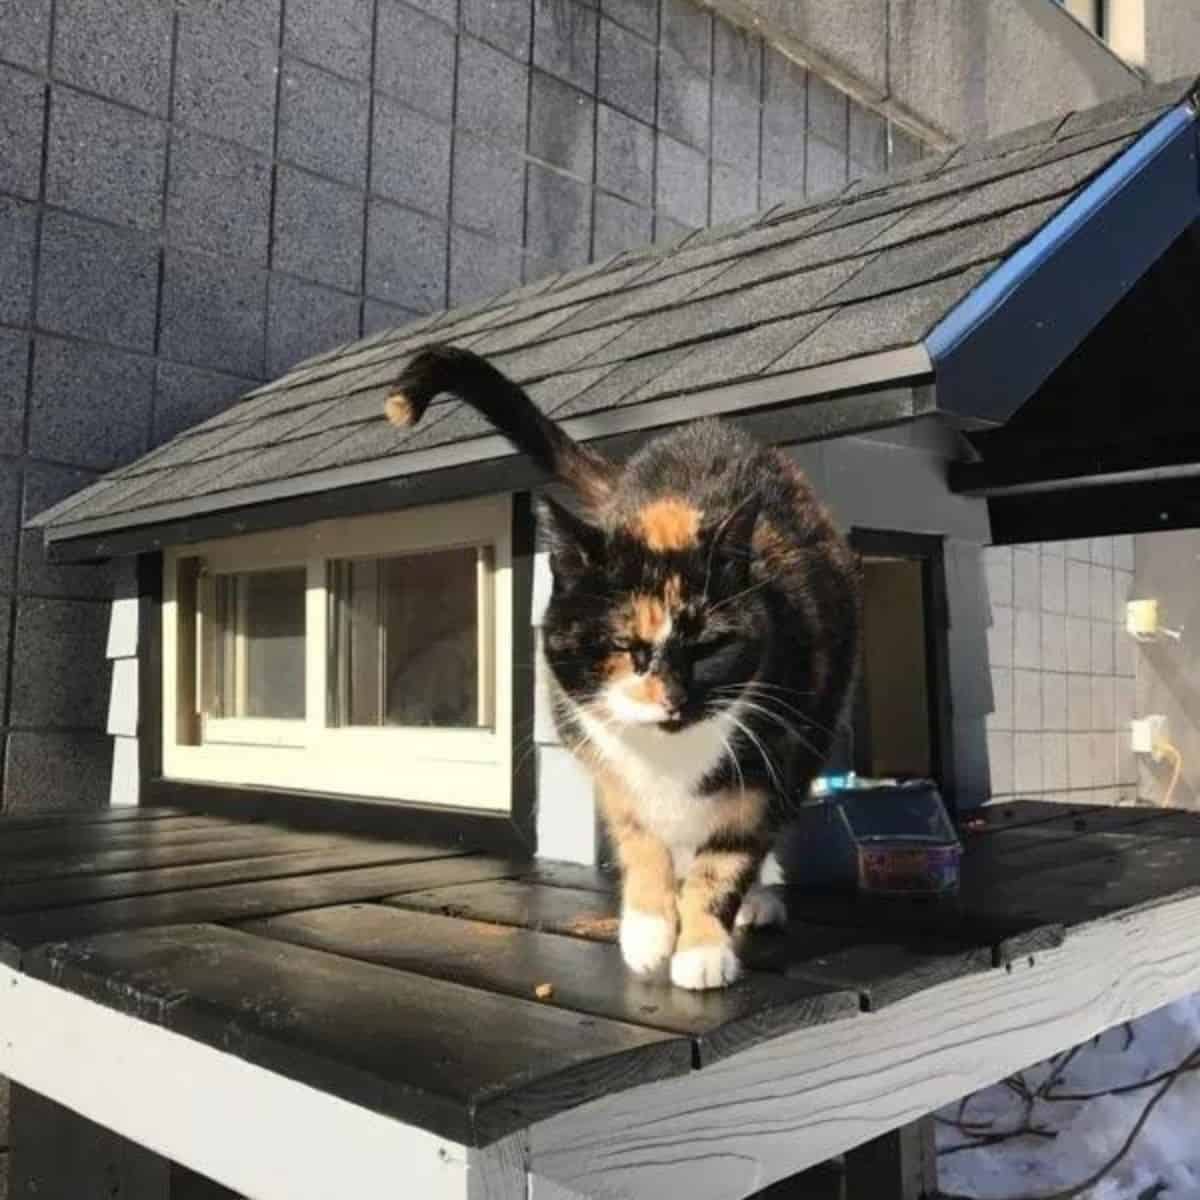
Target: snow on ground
x,y
1164,1161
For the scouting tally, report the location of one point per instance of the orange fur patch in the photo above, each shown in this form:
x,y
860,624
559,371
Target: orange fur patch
x,y
398,410
616,666
649,690
649,617
668,524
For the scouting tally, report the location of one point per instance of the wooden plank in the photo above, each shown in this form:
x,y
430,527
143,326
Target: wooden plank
x,y
1015,813
459,1062
1064,827
39,895
203,1107
554,873
801,1099
222,847
573,911
98,816
498,1172
240,901
586,976
46,840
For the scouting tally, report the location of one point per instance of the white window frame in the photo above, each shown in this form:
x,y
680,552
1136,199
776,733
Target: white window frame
x,y
466,768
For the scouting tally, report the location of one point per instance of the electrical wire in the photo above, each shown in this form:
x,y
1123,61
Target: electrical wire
x,y
1169,751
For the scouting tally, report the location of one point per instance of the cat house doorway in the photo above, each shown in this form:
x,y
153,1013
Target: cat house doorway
x,y
899,721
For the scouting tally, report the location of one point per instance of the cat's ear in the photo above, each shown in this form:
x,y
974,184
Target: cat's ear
x,y
574,544
733,542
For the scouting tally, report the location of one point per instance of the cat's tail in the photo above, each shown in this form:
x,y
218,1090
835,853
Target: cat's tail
x,y
438,369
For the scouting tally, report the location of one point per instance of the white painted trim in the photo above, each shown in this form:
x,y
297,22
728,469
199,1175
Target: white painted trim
x,y
566,810
123,628
759,1116
123,698
124,789
909,362
252,1130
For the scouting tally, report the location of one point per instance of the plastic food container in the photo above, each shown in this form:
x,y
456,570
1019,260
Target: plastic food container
x,y
908,866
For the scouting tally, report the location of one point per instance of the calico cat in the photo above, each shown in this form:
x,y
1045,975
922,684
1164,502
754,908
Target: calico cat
x,y
702,639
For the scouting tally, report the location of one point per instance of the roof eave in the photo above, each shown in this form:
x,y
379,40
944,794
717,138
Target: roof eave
x,y
836,399
1044,299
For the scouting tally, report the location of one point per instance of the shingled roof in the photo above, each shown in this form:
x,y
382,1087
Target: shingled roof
x,y
833,296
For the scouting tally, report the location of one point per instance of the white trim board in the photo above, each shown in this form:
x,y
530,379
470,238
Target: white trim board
x,y
762,1115
254,1131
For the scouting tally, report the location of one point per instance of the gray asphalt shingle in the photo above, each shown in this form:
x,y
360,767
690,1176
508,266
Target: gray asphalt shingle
x,y
871,267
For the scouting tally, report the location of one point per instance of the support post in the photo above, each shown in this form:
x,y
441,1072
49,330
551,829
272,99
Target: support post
x,y
901,1165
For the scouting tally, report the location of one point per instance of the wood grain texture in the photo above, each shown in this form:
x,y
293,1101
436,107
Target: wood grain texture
x,y
812,1094
586,976
499,1171
238,901
100,816
462,1063
48,840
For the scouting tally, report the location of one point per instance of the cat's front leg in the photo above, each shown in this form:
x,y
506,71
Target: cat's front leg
x,y
711,895
649,918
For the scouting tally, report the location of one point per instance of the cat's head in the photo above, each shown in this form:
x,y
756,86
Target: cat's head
x,y
655,622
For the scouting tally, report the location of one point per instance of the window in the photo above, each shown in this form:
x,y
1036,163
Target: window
x,y
361,657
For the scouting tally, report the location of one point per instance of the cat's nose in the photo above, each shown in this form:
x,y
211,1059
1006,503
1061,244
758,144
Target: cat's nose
x,y
675,696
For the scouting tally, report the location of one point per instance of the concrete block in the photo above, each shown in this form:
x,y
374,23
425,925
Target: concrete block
x,y
1027,591
213,313
1027,763
1122,594
1000,762
566,810
123,698
488,189
564,41
59,672
45,485
323,123
1055,772
56,772
1054,701
218,197
1123,552
868,142
737,94
26,25
1079,703
1079,601
406,257
681,189
1079,549
410,158
414,59
638,15
334,34
378,314
119,50
785,104
95,281
1104,759
4,649
480,268
627,71
18,222
504,24
185,396
998,567
1054,584
1027,639
22,109
105,161
225,80
619,225
1001,716
125,788
1103,657
558,219
1054,549
1079,760
1104,710
10,521
828,112
1000,637
1079,644
1124,653
444,10
492,93
318,229
303,319
1054,642
734,193
1027,700
683,100
1102,550
686,30
1100,592
14,376
905,149
826,167
561,125
97,435
624,156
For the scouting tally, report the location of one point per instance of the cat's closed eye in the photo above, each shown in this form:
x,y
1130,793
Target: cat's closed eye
x,y
713,644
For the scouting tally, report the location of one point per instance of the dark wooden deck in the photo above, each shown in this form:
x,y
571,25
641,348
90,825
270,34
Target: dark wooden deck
x,y
404,977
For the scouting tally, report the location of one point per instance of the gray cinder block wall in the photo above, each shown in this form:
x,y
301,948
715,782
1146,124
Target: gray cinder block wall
x,y
194,195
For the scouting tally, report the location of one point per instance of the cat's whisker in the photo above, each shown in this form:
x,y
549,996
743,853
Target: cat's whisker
x,y
772,773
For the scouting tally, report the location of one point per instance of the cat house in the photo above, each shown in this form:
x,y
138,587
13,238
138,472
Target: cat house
x,y
333,636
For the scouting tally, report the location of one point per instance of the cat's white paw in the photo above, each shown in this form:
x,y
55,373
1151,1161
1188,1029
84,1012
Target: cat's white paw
x,y
646,940
704,967
761,906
